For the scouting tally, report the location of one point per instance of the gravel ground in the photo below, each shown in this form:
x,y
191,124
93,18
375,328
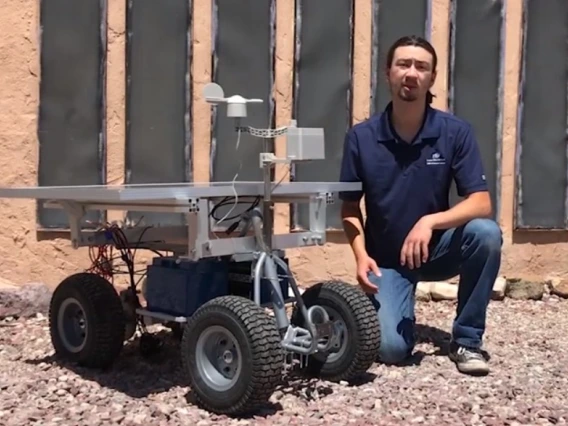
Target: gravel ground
x,y
529,379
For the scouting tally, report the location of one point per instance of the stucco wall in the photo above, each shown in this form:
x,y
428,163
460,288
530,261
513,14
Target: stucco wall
x,y
26,255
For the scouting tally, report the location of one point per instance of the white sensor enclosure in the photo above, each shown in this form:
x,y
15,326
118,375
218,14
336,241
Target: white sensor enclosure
x,y
304,143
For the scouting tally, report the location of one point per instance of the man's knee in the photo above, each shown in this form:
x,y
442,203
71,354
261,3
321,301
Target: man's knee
x,y
394,351
397,340
484,234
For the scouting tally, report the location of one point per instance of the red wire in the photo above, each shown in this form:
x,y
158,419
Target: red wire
x,y
102,256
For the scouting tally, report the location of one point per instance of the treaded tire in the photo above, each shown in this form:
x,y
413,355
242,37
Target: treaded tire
x,y
261,354
363,331
103,315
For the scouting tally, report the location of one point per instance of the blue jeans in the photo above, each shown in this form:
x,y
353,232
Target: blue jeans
x,y
474,252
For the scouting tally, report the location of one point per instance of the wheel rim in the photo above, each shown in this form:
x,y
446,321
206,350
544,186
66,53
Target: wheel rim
x,y
218,358
72,325
334,356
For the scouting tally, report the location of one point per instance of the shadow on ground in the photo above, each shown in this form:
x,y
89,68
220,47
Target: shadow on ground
x,y
133,374
138,376
434,336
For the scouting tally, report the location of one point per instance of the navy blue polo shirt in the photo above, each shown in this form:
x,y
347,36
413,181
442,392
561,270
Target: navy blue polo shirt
x,y
404,181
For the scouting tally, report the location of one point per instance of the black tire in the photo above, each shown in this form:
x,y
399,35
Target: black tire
x,y
360,350
254,334
97,302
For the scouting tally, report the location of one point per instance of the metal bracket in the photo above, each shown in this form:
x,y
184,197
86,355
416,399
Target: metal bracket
x,y
317,213
75,212
193,205
267,158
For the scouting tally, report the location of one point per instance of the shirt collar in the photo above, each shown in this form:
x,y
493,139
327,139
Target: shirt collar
x,y
430,128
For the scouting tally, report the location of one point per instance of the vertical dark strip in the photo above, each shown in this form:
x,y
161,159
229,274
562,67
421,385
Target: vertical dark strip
x,y
71,122
243,64
323,89
543,111
158,134
392,19
453,196
294,214
518,215
475,92
451,54
428,23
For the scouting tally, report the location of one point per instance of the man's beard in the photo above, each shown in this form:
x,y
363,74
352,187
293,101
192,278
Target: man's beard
x,y
407,96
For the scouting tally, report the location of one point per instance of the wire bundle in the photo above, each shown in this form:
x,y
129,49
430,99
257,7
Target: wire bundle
x,y
103,256
229,200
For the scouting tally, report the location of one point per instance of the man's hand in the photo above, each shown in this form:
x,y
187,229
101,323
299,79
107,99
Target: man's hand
x,y
353,225
415,248
365,265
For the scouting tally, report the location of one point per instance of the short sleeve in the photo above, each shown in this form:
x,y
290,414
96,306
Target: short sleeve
x,y
350,167
467,165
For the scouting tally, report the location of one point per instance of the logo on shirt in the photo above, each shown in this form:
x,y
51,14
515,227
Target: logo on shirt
x,y
435,160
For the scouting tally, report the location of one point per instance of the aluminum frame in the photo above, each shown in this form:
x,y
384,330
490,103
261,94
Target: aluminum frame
x,y
197,239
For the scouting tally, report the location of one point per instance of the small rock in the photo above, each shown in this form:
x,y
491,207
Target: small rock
x,y
182,411
357,412
164,409
139,419
378,404
559,288
520,289
499,288
423,291
117,418
443,291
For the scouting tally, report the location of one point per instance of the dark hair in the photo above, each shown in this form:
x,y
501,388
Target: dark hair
x,y
418,41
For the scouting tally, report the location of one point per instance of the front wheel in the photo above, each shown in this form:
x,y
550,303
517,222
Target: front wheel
x,y
231,351
360,339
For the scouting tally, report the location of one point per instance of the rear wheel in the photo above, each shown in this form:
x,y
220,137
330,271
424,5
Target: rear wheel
x,y
360,340
87,321
231,351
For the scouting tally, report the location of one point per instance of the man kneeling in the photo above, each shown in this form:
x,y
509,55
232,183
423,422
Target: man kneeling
x,y
406,158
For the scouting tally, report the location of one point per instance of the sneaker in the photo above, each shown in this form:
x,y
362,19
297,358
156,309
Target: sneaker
x,y
469,361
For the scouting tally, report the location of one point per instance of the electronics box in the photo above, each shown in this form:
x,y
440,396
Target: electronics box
x,y
180,286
